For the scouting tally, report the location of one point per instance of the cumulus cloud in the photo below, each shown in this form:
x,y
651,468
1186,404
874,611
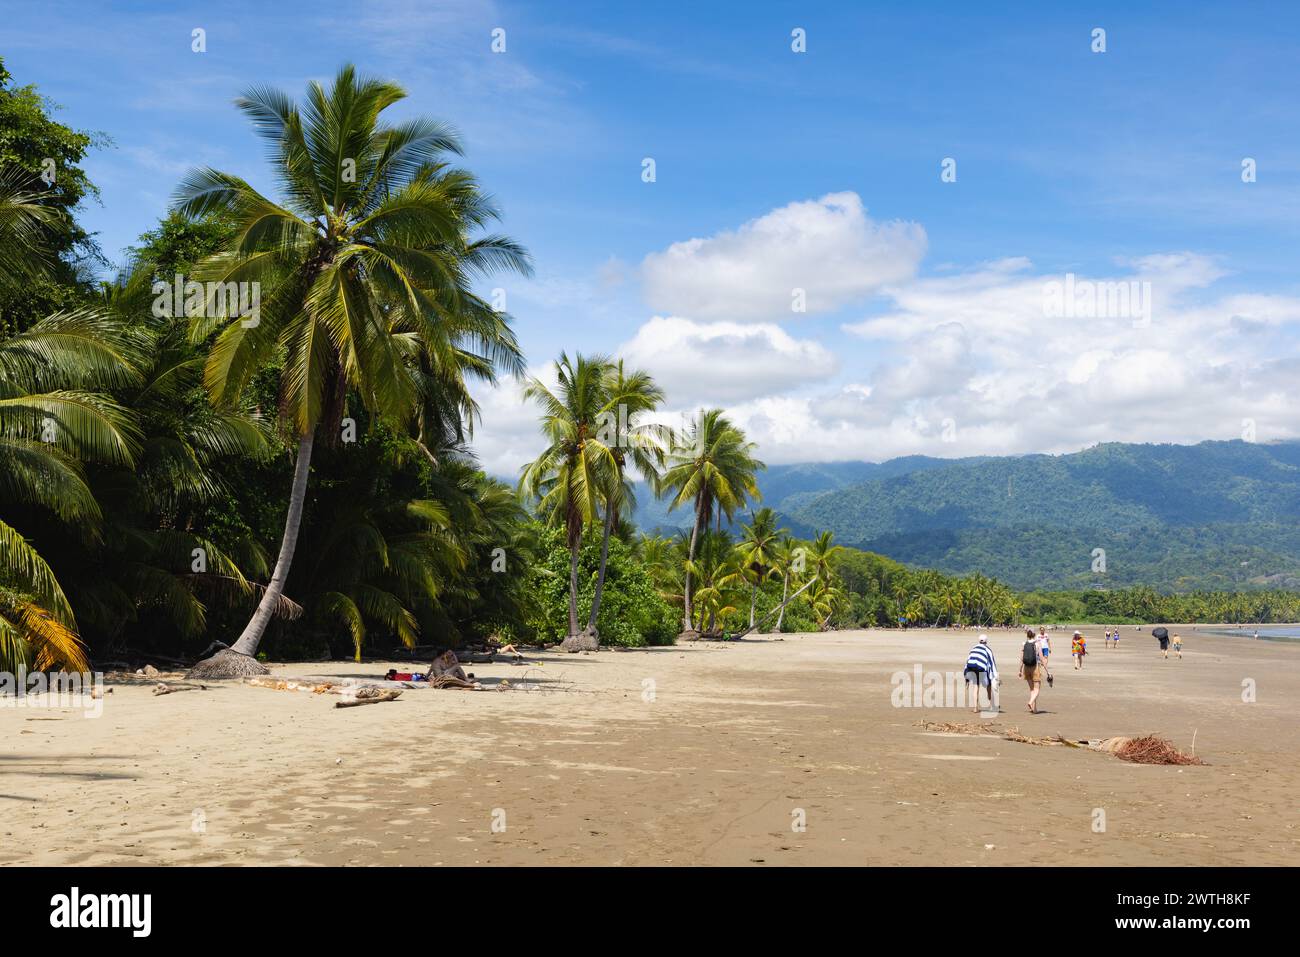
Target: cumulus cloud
x,y
828,247
724,362
977,363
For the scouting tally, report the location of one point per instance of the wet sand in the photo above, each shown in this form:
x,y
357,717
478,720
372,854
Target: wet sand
x,y
695,755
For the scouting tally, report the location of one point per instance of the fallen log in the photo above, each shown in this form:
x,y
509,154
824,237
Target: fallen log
x,y
368,696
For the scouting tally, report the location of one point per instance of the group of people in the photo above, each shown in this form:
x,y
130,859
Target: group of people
x,y
1035,655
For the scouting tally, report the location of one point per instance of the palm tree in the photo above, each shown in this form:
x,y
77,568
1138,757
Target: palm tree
x,y
718,570
627,396
787,558
577,465
758,550
55,415
714,467
25,226
821,555
364,270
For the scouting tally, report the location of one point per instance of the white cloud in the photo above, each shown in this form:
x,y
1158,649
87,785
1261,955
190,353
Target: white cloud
x,y
973,364
828,247
723,362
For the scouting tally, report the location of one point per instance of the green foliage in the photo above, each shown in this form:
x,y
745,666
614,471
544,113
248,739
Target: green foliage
x,y
632,613
29,136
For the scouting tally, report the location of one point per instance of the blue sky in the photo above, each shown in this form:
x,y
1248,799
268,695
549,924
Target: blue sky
x,y
927,335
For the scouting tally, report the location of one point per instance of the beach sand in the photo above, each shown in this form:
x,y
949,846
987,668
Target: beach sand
x,y
701,754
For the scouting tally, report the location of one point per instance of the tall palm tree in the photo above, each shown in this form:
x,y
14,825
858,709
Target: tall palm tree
x,y
639,445
364,270
568,478
712,467
757,550
822,554
786,555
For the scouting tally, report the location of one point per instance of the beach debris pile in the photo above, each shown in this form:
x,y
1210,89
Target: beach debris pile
x,y
1146,749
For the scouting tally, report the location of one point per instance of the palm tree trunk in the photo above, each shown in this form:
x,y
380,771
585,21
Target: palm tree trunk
x,y
753,597
785,587
574,548
686,591
610,518
256,628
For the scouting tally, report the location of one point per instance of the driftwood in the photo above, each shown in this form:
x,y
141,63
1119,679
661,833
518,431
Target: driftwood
x,y
163,688
290,684
367,695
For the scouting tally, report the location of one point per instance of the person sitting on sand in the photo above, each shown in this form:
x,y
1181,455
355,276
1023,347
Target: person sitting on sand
x,y
1178,646
982,669
1078,648
1033,668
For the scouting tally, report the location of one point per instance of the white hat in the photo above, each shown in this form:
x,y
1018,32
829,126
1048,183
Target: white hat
x,y
984,639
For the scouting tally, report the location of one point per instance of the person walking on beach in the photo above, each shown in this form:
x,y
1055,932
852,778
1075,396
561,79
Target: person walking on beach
x,y
1033,668
1178,646
1115,637
1108,636
1078,648
1044,644
982,669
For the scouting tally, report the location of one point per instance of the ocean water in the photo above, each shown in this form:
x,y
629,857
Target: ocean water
x,y
1271,632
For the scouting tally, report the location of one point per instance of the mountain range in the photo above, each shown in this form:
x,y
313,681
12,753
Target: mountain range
x,y
1217,515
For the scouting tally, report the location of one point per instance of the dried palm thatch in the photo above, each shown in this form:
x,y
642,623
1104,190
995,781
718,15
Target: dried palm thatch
x,y
227,664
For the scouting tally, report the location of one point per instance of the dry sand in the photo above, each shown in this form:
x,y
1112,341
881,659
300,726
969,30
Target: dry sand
x,y
714,769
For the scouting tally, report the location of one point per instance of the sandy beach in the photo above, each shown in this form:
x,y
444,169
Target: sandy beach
x,y
702,754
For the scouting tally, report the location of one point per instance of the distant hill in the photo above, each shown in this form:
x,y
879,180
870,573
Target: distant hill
x,y
1213,515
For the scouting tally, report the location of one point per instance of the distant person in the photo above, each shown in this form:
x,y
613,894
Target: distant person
x,y
1164,644
1044,643
1178,646
1257,634
1115,637
1078,648
1107,636
1032,668
982,669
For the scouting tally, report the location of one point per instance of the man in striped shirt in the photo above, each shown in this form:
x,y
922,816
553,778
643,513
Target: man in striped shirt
x,y
981,669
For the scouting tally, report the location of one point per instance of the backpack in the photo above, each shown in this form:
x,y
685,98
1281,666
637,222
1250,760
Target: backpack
x,y
1029,655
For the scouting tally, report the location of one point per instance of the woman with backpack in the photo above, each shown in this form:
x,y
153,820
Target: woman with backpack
x,y
1033,668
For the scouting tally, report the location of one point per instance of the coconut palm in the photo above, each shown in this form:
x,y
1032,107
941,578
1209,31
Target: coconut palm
x,y
577,466
25,225
717,569
788,559
822,554
364,271
638,445
757,551
55,415
712,466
